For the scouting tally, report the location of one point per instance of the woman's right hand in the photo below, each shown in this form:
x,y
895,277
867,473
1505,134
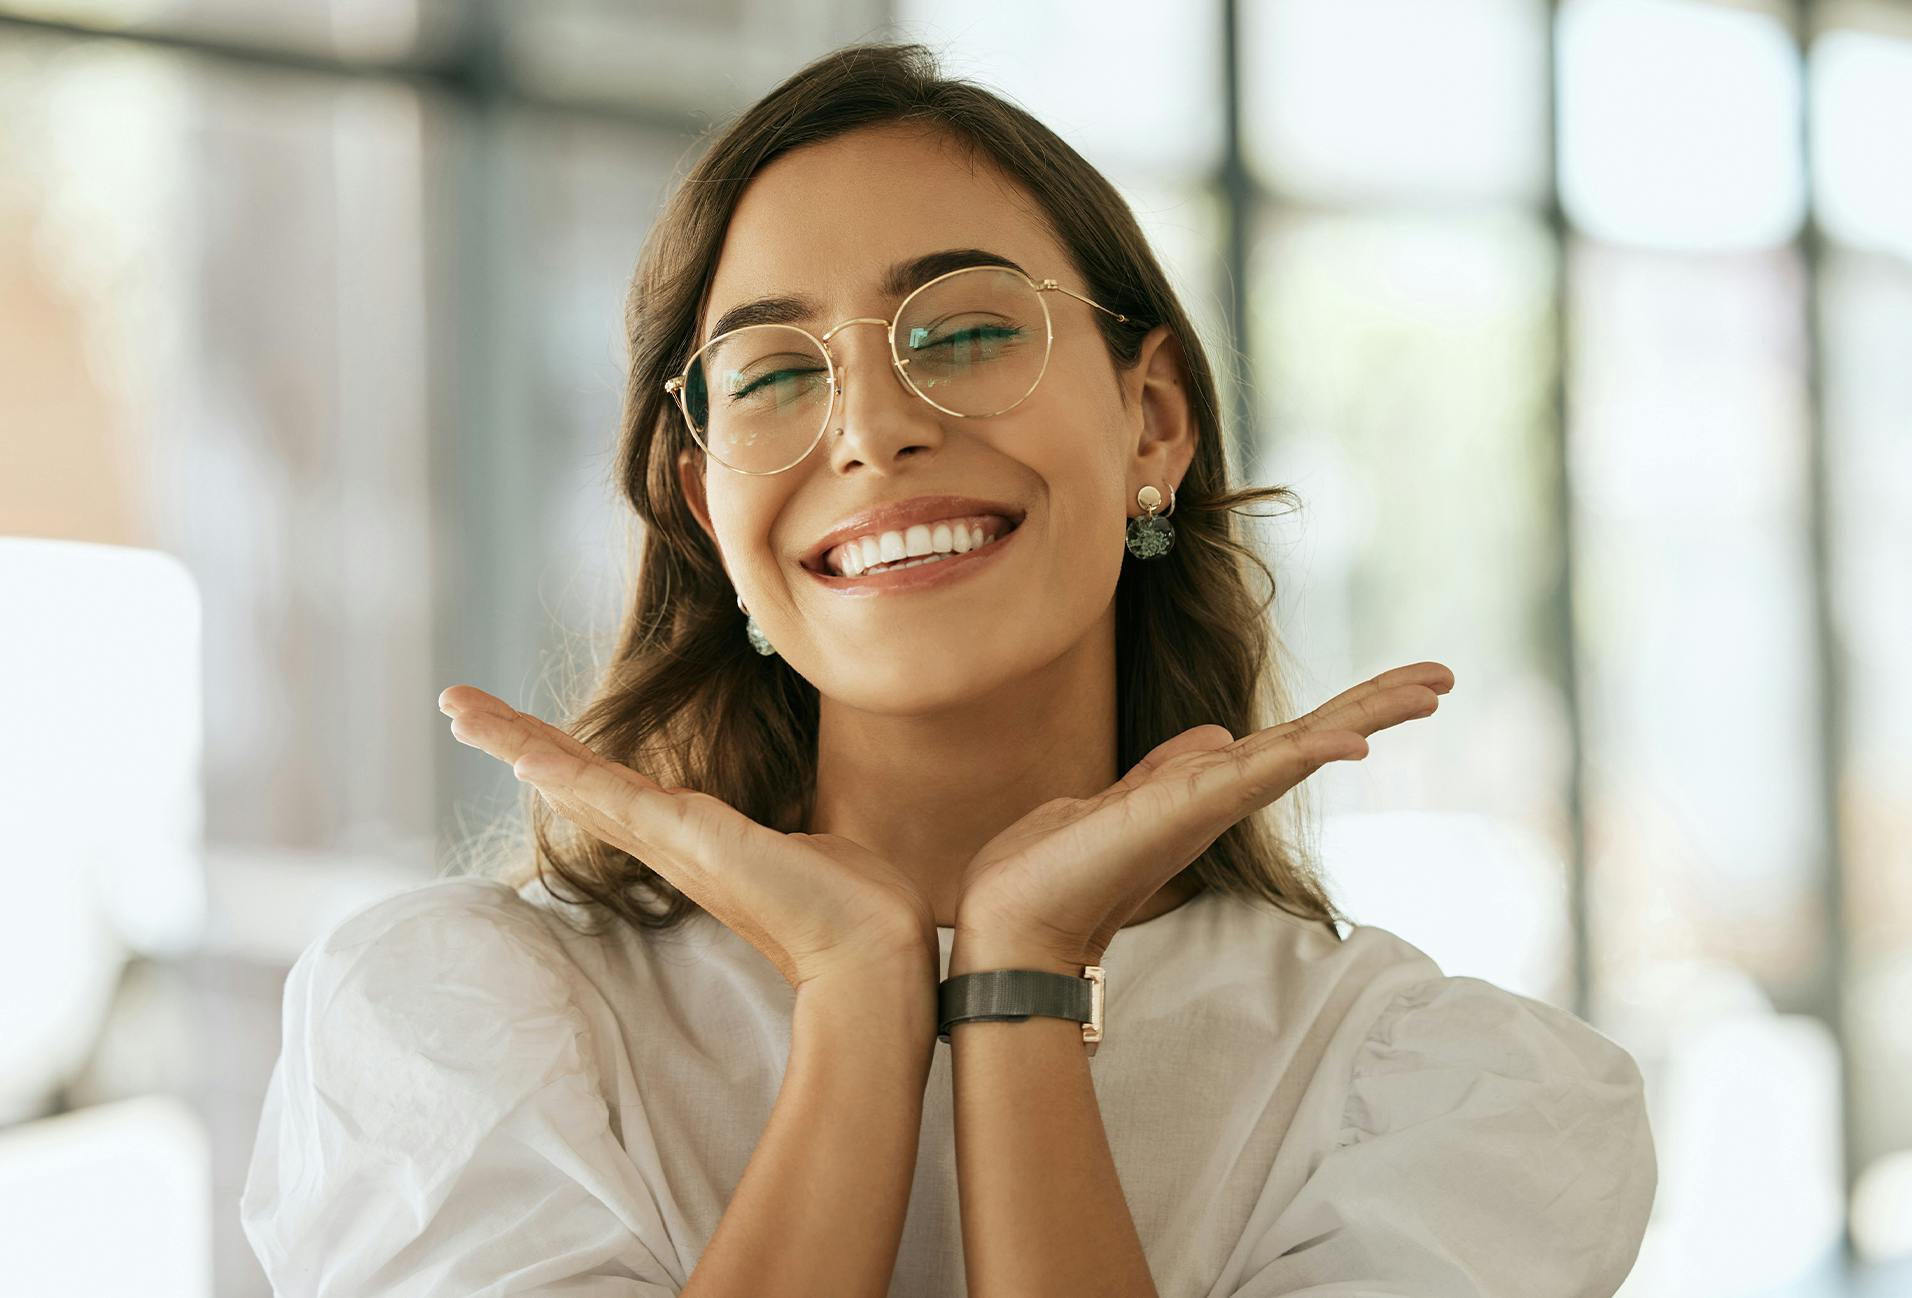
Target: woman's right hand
x,y
816,905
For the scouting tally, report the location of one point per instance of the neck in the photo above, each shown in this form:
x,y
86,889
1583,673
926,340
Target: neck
x,y
928,790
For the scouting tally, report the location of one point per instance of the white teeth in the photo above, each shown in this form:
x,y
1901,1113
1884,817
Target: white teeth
x,y
911,563
891,566
918,543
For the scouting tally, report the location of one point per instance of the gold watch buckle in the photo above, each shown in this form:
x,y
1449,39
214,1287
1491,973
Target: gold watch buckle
x,y
1092,1030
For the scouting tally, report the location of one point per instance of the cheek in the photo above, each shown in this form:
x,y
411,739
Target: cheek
x,y
741,521
1084,545
1070,449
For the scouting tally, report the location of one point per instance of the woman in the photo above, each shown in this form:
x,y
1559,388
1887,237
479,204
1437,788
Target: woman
x,y
942,662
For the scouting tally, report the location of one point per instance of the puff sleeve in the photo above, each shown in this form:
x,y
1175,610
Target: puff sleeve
x,y
1491,1146
434,1125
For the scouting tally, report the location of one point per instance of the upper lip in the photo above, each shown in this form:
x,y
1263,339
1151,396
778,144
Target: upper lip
x,y
901,514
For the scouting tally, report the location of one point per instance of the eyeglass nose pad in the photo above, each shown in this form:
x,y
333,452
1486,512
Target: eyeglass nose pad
x,y
840,370
898,367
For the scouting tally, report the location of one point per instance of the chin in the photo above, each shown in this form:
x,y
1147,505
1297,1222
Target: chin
x,y
912,677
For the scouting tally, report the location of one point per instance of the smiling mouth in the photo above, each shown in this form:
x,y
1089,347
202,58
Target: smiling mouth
x,y
914,571
879,553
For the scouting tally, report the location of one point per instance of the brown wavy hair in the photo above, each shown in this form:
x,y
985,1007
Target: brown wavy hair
x,y
685,700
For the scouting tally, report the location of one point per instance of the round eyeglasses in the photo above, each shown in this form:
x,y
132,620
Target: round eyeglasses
x,y
972,343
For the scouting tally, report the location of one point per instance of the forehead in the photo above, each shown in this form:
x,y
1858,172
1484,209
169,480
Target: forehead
x,y
826,220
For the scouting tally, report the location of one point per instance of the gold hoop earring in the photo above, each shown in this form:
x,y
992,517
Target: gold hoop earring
x,y
1152,536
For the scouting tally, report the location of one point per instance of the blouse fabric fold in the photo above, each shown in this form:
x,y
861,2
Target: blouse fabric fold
x,y
474,1099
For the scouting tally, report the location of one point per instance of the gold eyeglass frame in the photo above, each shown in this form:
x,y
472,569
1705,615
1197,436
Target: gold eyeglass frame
x,y
900,366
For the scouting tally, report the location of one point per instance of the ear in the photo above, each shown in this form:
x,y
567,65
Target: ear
x,y
690,476
1156,387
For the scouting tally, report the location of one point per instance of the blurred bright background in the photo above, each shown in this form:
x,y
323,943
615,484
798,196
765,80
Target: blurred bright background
x,y
1583,330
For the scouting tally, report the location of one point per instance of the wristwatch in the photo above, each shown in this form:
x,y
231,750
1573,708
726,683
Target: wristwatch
x,y
1015,994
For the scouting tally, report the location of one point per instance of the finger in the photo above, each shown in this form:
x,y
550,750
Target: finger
x,y
1432,677
462,702
512,736
1220,787
625,808
1262,776
1374,711
1360,717
636,805
1400,694
685,827
1297,754
454,699
671,830
1436,676
1263,766
1224,786
595,823
711,830
1199,739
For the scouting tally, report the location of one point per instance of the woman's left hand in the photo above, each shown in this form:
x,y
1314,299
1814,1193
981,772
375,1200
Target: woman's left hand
x,y
1067,876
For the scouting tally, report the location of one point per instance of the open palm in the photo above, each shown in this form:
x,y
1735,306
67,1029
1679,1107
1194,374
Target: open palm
x,y
1067,876
813,904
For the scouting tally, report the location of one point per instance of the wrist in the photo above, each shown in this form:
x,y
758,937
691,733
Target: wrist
x,y
890,1002
891,986
980,950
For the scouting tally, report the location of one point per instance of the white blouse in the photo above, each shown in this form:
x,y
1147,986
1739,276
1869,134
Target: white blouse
x,y
474,1099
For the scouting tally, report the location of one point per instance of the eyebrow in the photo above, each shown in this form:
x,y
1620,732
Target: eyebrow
x,y
898,280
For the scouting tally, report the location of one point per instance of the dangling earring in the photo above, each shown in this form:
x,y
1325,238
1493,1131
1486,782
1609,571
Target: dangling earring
x,y
1151,537
758,640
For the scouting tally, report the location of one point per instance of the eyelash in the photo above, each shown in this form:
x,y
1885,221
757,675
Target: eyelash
x,y
961,333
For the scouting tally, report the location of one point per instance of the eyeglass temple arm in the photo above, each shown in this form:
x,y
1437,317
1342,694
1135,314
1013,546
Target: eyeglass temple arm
x,y
1045,285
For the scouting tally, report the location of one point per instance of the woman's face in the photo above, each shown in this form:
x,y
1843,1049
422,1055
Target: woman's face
x,y
826,221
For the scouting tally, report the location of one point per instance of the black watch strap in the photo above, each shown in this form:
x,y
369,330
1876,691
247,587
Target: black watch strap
x,y
1014,994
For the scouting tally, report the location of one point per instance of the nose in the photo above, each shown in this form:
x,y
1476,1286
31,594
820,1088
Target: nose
x,y
876,419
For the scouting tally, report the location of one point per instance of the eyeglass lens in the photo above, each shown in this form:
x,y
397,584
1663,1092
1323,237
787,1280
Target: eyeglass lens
x,y
975,343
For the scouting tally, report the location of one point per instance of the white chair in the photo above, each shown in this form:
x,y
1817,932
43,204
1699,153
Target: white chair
x,y
100,858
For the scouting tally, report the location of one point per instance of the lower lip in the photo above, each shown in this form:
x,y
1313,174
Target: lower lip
x,y
922,575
